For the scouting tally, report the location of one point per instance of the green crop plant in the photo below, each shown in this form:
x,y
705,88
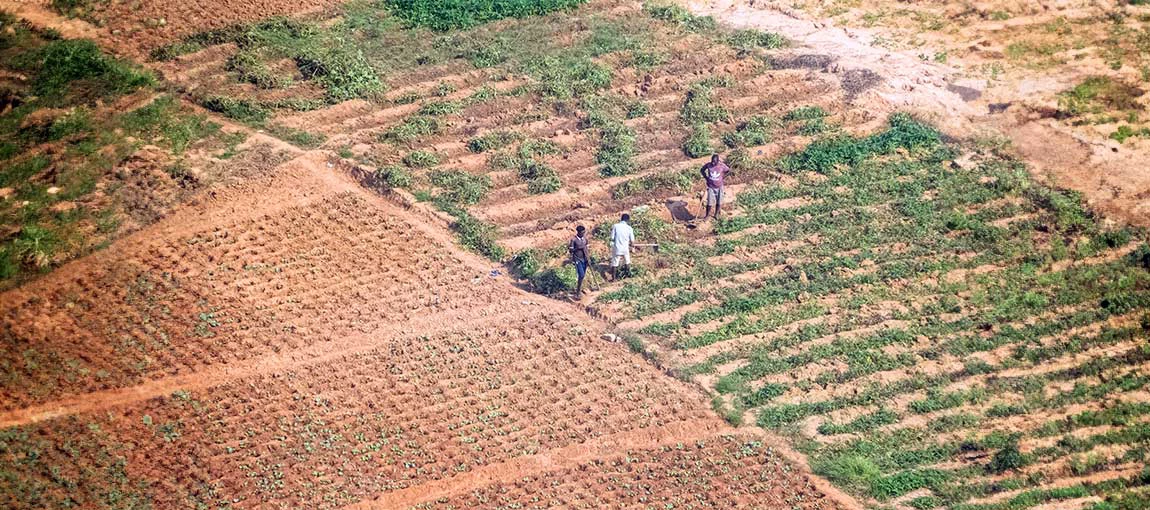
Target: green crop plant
x,y
700,106
680,16
616,150
411,129
749,39
439,108
242,110
755,131
565,77
492,141
454,14
459,187
540,178
248,67
393,176
698,142
675,182
421,159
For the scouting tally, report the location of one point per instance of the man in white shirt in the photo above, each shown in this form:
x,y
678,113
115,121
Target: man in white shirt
x,y
621,238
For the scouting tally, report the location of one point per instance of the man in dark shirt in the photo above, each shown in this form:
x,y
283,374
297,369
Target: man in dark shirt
x,y
714,173
580,256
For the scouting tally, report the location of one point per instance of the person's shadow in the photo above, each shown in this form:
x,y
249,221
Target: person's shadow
x,y
679,212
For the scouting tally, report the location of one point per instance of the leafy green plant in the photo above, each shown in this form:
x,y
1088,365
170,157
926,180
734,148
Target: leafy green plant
x,y
700,106
698,142
412,128
1008,458
459,187
421,159
616,150
749,39
238,109
453,14
755,131
249,68
492,141
393,176
540,178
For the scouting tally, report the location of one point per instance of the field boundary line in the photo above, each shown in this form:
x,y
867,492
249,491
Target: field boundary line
x,y
552,460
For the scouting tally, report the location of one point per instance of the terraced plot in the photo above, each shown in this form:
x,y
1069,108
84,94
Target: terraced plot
x,y
930,327
298,341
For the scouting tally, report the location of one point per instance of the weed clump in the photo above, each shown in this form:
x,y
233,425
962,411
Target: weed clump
x,y
755,131
238,109
749,39
565,77
249,68
77,67
679,15
492,141
698,142
616,150
459,187
445,15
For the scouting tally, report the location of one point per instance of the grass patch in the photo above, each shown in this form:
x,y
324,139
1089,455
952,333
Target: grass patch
x,y
445,15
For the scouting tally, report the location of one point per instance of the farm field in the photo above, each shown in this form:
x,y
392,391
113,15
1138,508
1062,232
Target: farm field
x,y
344,284
1066,80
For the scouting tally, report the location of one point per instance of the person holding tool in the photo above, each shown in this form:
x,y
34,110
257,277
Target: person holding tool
x,y
714,173
580,256
622,235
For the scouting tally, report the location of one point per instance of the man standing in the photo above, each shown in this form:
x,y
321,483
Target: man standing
x,y
621,238
714,172
580,256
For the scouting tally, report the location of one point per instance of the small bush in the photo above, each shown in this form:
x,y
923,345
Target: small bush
x,y
540,178
747,40
394,176
616,150
249,68
851,471
453,14
679,15
342,70
755,131
700,107
421,159
77,66
237,109
439,108
459,187
411,129
698,143
567,77
1006,459
492,141
526,263
559,279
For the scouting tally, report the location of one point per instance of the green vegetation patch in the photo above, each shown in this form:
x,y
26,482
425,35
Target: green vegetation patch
x,y
454,14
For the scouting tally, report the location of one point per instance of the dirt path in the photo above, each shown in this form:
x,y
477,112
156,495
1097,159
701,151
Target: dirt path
x,y
1112,176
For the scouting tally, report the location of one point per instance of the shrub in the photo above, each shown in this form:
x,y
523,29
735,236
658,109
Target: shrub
x,y
438,108
238,109
249,68
492,141
1140,257
852,471
747,40
700,106
1006,459
755,131
616,148
421,159
698,143
567,77
540,178
452,14
459,187
478,236
526,263
679,15
342,70
557,279
412,128
393,176
77,66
